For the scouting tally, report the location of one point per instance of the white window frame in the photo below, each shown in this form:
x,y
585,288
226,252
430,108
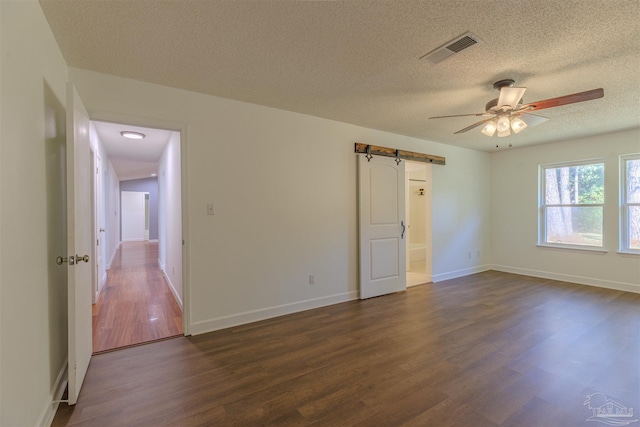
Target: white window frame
x,y
542,218
624,206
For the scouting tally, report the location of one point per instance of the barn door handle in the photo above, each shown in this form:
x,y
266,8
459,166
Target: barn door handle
x,y
403,227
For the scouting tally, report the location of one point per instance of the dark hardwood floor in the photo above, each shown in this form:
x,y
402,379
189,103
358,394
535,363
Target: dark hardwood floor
x,y
492,349
136,304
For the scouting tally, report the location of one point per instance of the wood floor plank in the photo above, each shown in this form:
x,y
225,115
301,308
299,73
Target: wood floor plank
x,y
136,304
492,349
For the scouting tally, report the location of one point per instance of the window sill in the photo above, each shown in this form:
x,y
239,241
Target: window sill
x,y
572,248
629,253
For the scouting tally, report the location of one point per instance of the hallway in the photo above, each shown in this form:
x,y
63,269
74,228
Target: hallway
x,y
136,304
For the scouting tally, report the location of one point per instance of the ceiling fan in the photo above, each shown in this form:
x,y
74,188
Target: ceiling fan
x,y
508,113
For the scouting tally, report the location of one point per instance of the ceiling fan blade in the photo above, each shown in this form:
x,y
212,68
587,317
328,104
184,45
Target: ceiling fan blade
x,y
475,125
567,99
532,119
511,96
460,115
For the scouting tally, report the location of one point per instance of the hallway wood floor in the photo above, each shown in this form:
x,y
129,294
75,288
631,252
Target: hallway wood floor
x,y
492,349
136,304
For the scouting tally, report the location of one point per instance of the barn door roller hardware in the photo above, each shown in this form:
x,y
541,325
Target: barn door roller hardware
x,y
369,156
371,150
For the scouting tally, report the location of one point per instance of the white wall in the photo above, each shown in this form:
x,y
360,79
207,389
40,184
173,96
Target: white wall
x,y
514,183
33,309
461,214
284,188
170,215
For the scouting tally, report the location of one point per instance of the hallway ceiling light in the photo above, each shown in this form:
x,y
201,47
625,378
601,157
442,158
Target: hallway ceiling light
x,y
132,135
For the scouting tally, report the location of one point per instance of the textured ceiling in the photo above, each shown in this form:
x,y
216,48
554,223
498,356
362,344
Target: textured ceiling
x,y
358,61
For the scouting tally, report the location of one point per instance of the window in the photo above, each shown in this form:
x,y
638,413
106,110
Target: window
x,y
630,204
572,204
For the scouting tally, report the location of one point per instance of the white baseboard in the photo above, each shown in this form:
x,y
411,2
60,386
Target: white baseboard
x,y
103,280
223,322
49,411
460,273
173,288
113,255
133,240
152,240
609,284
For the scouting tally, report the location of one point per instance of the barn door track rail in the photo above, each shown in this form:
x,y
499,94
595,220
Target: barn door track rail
x,y
371,150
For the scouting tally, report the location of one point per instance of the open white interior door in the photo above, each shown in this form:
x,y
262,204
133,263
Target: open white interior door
x,y
79,241
382,226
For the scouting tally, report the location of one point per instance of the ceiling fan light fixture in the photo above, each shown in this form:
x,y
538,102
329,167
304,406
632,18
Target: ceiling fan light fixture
x,y
490,128
503,124
132,135
503,134
518,125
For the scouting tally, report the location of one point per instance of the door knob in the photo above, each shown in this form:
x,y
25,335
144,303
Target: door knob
x,y
82,258
102,230
60,260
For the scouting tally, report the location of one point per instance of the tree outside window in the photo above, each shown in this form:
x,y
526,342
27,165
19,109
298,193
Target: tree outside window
x,y
572,204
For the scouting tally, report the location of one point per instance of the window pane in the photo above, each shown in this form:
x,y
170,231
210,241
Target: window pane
x,y
633,181
634,227
569,185
574,225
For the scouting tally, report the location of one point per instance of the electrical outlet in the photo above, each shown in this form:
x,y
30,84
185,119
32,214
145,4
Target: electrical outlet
x,y
469,255
210,209
312,279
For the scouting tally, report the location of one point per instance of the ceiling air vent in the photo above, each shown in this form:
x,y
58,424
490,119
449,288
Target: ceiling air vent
x,y
456,45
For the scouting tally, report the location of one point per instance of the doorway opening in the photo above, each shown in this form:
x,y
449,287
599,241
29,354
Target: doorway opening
x,y
418,215
138,297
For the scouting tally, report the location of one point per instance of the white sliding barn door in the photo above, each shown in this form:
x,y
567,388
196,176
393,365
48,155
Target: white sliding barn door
x,y
79,242
382,226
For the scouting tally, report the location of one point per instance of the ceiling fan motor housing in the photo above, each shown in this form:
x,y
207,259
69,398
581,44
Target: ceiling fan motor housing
x,y
492,105
504,83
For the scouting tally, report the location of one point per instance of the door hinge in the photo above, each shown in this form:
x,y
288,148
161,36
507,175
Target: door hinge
x,y
97,242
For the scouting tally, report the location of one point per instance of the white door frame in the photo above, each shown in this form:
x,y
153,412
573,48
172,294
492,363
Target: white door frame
x,y
94,224
182,128
428,201
407,215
